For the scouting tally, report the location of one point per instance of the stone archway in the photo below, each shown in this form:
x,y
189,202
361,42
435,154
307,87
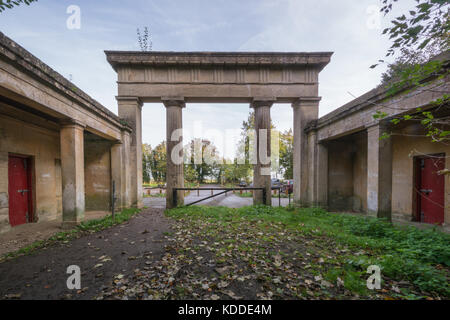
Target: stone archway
x,y
260,79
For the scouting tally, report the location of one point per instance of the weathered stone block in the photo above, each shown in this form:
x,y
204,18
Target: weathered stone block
x,y
4,200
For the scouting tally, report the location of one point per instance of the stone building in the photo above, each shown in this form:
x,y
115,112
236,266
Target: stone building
x,y
60,150
352,169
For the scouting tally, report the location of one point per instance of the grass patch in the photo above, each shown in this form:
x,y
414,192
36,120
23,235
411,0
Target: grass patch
x,y
90,226
421,257
244,194
155,195
250,195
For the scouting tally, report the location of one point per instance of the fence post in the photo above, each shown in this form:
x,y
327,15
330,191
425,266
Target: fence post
x,y
175,194
279,197
113,199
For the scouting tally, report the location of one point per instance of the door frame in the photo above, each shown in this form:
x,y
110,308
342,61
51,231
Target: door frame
x,y
32,217
417,182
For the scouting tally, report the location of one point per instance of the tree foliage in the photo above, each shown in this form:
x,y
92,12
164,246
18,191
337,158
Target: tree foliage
x,y
9,4
157,162
145,39
405,65
427,25
287,154
419,36
202,156
146,162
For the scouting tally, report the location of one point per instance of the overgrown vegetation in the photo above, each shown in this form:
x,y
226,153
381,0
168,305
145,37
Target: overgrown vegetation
x,y
90,226
414,263
9,4
419,35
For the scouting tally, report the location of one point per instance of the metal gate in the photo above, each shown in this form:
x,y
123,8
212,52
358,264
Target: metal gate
x,y
223,191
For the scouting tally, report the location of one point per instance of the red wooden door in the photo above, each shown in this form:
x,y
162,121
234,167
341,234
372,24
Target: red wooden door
x,y
19,190
430,189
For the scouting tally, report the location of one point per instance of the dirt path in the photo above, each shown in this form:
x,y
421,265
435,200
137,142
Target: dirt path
x,y
101,256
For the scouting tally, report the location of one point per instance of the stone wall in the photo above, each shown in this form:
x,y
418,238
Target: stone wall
x,y
4,211
347,173
43,145
360,172
340,176
405,148
97,161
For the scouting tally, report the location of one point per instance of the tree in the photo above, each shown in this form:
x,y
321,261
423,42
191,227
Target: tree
x,y
427,25
145,40
158,162
233,172
244,148
9,4
408,59
423,29
418,36
146,162
287,154
202,156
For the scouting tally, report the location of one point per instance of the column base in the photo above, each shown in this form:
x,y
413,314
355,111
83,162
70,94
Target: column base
x,y
68,225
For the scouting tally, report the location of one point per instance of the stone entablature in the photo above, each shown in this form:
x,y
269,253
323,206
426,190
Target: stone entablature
x,y
18,61
257,78
224,59
358,114
198,76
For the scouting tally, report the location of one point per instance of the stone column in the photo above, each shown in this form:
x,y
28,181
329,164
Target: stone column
x,y
130,110
116,173
72,172
379,173
261,171
174,143
317,190
305,110
126,173
120,173
312,168
322,175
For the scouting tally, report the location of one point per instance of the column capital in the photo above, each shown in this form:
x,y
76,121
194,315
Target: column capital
x,y
306,102
116,142
72,123
262,102
125,127
127,99
173,102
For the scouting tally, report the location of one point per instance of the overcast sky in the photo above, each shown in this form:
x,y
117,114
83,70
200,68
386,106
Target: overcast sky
x,y
350,28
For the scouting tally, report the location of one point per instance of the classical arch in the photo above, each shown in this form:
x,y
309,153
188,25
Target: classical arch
x,y
260,79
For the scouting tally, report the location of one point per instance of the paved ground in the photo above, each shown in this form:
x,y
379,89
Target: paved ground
x,y
102,257
24,235
229,200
